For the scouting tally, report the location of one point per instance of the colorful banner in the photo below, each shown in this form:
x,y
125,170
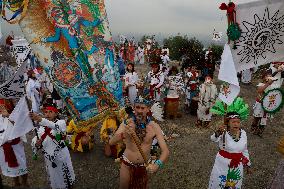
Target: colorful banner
x,y
72,40
262,37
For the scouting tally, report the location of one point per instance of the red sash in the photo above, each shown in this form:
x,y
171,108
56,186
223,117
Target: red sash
x,y
236,158
47,132
9,153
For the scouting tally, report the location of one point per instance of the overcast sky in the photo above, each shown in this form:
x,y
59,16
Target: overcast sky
x,y
192,17
168,17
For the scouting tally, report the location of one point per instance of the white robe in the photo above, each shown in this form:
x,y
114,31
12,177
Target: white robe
x,y
32,89
130,81
140,55
6,127
56,153
246,76
218,178
207,96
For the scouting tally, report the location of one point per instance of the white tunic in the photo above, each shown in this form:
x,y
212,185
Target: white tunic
x,y
56,154
220,176
6,127
207,96
257,107
32,89
130,82
246,76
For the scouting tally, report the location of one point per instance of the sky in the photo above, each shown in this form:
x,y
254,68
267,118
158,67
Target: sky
x,y
196,18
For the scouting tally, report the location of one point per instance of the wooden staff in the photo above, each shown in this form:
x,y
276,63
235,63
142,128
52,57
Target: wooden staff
x,y
225,123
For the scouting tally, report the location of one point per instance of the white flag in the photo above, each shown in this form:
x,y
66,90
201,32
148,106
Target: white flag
x,y
21,49
22,121
262,38
14,87
228,74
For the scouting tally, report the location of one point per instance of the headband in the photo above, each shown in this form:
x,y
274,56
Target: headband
x,y
51,108
234,116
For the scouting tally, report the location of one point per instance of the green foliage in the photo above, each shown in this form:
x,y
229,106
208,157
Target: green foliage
x,y
145,37
217,51
182,45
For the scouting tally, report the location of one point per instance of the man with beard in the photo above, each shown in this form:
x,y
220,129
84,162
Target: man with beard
x,y
138,133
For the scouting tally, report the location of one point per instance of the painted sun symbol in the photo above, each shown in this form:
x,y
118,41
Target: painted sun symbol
x,y
261,37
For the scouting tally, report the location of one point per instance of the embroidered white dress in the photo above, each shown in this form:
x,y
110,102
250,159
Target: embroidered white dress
x,y
130,81
32,89
222,175
156,84
207,96
6,128
56,154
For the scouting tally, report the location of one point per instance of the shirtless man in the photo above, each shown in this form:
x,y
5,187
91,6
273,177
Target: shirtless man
x,y
133,170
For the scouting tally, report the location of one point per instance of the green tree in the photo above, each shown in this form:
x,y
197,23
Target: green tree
x,y
182,45
145,37
217,51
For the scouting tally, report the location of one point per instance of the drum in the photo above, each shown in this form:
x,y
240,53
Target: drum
x,y
171,107
194,106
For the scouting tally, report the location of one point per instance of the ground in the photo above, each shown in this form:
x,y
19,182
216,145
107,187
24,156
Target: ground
x,y
192,156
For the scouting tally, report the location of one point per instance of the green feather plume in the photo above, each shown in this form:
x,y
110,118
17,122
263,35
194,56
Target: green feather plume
x,y
239,106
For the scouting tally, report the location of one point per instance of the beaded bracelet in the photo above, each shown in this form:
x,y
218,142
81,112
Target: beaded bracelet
x,y
159,163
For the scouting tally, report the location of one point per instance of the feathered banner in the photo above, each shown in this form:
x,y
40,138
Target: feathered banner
x,y
72,40
262,34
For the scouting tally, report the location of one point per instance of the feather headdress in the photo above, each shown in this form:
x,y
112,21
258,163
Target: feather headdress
x,y
238,106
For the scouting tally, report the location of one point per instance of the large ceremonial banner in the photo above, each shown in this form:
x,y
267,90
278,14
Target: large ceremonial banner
x,y
72,40
261,41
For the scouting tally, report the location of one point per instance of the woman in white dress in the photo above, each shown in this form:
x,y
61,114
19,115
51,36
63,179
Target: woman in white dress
x,y
131,79
232,157
51,141
12,154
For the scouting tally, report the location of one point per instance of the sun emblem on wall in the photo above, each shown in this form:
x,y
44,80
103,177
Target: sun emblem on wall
x,y
261,37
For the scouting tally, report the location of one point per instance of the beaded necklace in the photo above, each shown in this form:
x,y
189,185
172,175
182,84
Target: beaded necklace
x,y
140,129
235,138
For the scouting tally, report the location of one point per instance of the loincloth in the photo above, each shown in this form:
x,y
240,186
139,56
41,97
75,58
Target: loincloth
x,y
138,174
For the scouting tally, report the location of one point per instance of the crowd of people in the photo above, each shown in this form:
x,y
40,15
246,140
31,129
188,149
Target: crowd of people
x,y
133,139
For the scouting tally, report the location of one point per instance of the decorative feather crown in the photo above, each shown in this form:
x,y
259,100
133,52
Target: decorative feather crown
x,y
239,107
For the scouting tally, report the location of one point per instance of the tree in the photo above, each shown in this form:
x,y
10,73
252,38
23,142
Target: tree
x,y
217,51
145,37
182,45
